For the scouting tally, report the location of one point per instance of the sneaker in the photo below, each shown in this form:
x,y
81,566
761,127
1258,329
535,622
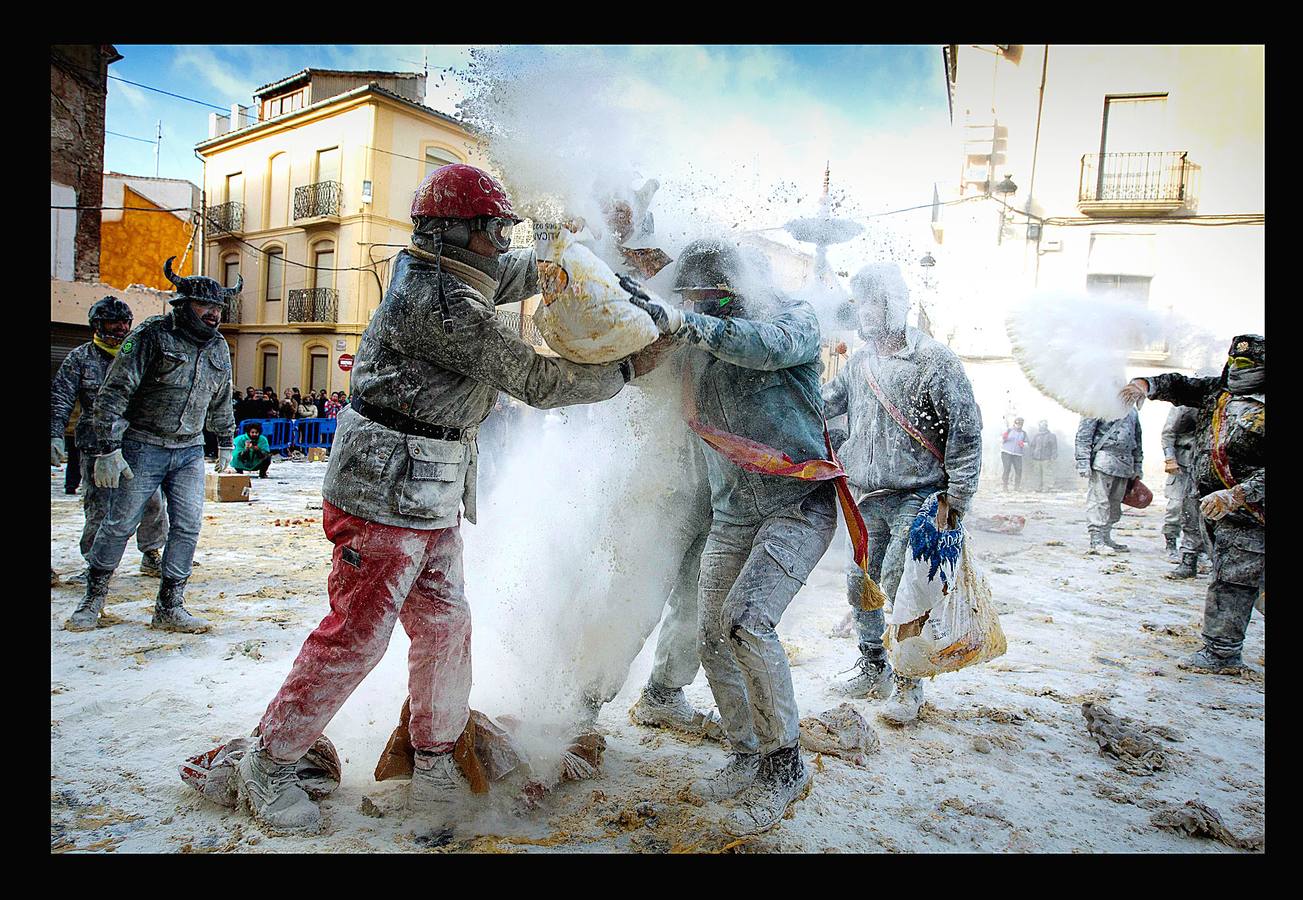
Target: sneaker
x,y
273,795
906,700
873,681
1098,547
662,708
436,786
783,778
733,779
151,563
1208,662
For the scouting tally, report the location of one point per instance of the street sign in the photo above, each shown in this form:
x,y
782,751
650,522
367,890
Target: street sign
x,y
345,361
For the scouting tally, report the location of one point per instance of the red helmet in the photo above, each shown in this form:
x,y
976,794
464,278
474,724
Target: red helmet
x,y
460,191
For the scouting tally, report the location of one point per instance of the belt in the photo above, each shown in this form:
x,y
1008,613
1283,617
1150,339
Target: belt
x,y
391,418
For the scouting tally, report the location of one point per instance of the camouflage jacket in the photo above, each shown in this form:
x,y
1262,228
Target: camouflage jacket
x,y
927,384
1110,446
78,381
164,389
1179,435
1245,435
407,363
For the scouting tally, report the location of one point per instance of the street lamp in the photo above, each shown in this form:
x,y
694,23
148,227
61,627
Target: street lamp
x,y
1005,189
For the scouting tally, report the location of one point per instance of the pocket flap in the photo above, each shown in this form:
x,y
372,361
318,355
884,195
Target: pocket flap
x,y
434,460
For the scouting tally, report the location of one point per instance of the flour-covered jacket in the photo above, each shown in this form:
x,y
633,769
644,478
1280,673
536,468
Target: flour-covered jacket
x,y
758,379
1112,447
1180,432
78,380
926,382
406,363
164,389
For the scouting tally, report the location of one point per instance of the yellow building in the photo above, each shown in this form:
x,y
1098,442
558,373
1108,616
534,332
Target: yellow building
x,y
145,221
308,197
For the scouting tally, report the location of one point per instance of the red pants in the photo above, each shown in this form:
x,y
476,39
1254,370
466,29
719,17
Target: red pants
x,y
381,574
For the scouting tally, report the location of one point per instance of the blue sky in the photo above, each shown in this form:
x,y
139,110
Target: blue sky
x,y
864,89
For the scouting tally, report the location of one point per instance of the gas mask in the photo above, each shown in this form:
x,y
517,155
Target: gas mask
x,y
1245,376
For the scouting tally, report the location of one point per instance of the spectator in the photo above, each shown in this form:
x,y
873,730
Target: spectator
x,y
1013,441
1042,451
251,451
334,405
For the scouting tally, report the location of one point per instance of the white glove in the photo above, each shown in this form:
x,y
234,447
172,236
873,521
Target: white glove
x,y
1218,504
223,459
58,455
109,468
668,319
1135,392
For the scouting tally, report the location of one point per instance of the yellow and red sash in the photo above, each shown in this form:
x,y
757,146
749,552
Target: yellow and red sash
x,y
1221,462
762,459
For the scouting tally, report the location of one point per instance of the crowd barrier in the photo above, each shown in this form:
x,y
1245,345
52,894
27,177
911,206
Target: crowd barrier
x,y
282,434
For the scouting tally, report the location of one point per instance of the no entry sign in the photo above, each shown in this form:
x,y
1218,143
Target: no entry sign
x,y
346,361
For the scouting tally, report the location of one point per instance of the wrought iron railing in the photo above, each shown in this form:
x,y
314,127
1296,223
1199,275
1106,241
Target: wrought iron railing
x,y
228,217
523,326
1135,177
320,199
231,314
314,305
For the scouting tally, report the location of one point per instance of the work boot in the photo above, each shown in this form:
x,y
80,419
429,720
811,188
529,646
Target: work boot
x,y
874,679
906,700
169,612
1209,662
1173,554
1188,567
1107,536
782,779
87,615
275,799
733,779
79,578
151,563
436,786
661,707
1097,545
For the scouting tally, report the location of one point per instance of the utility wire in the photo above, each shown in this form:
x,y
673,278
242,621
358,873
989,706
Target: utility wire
x,y
225,109
130,137
188,209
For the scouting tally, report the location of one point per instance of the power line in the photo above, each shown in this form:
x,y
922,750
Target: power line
x,y
188,209
130,137
225,109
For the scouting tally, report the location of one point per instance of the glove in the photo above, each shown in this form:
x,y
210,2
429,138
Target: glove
x,y
668,319
1135,392
223,459
1083,471
109,468
1218,504
1171,467
58,456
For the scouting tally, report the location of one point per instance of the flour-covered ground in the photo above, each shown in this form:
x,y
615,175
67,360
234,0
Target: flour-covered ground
x,y
1001,760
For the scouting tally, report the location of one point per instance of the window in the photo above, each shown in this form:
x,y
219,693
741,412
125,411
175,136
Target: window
x,y
318,372
1134,124
1119,287
63,231
230,269
275,275
328,164
286,103
271,370
436,158
235,188
278,187
323,257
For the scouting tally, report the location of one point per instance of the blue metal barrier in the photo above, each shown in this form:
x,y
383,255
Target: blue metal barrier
x,y
282,434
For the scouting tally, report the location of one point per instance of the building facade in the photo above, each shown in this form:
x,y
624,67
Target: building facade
x,y
1132,172
146,220
308,198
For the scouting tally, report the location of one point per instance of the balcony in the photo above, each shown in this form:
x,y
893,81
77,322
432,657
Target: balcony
x,y
231,315
314,306
317,204
1136,184
228,218
522,325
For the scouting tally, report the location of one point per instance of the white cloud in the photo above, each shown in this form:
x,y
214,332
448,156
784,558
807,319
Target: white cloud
x,y
134,96
219,75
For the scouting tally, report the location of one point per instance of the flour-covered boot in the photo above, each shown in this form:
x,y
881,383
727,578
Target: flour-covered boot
x,y
906,700
169,612
873,681
151,563
1209,662
436,788
1173,554
87,615
1097,545
1107,536
660,707
1188,567
783,778
275,799
733,779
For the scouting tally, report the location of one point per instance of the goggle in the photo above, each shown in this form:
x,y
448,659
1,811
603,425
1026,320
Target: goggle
x,y
1241,362
499,232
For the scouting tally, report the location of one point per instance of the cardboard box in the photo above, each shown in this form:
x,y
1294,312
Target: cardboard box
x,y
227,486
316,454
